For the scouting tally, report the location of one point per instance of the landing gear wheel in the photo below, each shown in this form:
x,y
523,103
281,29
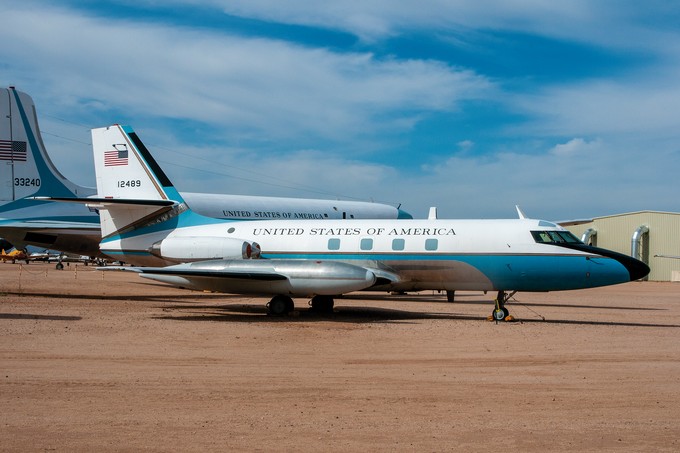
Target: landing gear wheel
x,y
59,266
322,304
280,305
500,313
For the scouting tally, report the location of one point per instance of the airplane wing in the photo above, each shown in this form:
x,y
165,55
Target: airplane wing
x,y
47,225
79,237
295,277
244,274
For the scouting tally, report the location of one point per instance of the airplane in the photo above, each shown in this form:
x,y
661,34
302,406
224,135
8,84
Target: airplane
x,y
59,258
26,172
45,255
14,255
148,223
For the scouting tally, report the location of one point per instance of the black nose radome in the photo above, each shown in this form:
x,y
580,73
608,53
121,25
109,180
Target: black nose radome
x,y
636,268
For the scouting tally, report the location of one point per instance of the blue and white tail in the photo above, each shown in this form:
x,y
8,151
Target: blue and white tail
x,y
25,168
137,192
125,168
140,208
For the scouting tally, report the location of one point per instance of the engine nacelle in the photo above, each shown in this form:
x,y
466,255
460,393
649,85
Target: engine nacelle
x,y
293,277
186,249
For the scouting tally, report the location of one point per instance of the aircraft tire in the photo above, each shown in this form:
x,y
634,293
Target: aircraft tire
x,y
499,314
322,304
59,266
280,305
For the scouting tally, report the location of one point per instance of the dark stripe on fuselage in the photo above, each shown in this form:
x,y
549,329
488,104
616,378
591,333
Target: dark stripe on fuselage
x,y
636,268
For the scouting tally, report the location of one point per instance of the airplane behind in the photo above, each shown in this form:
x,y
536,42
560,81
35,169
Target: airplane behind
x,y
148,223
14,255
26,172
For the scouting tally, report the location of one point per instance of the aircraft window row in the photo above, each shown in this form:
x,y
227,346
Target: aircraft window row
x,y
334,244
398,244
554,237
431,244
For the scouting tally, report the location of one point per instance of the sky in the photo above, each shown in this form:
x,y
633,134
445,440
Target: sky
x,y
570,110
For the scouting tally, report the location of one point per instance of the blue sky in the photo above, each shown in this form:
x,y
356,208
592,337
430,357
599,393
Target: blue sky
x,y
569,110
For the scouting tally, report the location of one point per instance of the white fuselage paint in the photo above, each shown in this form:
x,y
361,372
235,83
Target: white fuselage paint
x,y
431,254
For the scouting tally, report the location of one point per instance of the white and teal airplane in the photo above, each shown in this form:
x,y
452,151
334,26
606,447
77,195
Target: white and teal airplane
x,y
26,171
145,221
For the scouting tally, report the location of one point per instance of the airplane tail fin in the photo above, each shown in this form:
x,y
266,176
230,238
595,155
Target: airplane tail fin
x,y
25,167
132,189
139,207
126,169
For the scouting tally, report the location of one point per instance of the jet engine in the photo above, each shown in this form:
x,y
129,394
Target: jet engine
x,y
186,249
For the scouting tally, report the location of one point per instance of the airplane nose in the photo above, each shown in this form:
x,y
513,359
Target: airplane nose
x,y
636,268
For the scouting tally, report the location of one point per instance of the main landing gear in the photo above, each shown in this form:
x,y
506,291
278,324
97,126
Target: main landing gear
x,y
500,313
282,305
322,304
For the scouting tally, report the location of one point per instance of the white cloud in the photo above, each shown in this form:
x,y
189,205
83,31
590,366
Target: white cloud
x,y
610,24
249,95
640,105
465,145
575,147
269,88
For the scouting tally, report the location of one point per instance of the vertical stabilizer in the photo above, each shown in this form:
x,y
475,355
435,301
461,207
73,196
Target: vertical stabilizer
x,y
126,171
25,168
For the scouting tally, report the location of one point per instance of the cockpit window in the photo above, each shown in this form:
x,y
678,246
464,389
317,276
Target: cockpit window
x,y
554,237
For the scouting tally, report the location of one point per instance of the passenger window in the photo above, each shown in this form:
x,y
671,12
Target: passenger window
x,y
334,244
366,244
398,244
431,244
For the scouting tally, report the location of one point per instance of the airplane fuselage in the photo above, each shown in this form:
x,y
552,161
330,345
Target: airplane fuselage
x,y
485,255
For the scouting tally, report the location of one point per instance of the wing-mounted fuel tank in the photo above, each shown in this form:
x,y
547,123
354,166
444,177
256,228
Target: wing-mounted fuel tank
x,y
294,277
186,249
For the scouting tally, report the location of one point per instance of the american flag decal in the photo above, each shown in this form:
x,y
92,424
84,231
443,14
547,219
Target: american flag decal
x,y
115,158
12,150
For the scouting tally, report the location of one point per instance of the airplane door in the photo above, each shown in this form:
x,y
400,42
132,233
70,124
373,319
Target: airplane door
x,y
6,167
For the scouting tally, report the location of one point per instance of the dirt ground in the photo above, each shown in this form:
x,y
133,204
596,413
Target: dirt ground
x,y
107,361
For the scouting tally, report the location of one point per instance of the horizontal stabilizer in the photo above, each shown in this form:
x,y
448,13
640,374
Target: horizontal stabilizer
x,y
109,201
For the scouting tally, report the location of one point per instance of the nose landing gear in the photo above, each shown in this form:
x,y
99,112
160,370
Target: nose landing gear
x,y
500,313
